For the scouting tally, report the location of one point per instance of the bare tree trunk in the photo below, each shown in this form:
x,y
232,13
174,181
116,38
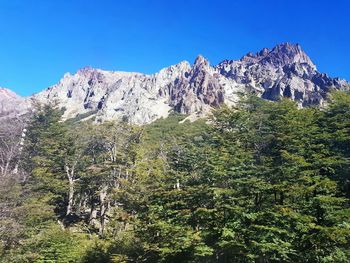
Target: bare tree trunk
x,y
93,213
21,144
103,208
11,143
6,168
70,175
177,184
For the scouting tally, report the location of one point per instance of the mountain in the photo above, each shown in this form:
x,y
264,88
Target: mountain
x,y
11,104
283,71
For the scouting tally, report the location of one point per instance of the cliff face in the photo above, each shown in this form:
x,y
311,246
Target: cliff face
x,y
284,71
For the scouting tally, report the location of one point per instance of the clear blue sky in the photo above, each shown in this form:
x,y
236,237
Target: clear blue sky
x,y
40,40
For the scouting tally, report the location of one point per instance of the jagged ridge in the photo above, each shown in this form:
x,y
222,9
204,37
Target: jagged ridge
x,y
285,70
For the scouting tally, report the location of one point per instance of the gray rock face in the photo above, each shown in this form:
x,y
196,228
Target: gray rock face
x,y
279,56
12,105
197,90
283,71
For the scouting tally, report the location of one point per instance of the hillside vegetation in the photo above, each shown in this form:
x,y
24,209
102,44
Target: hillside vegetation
x,y
262,182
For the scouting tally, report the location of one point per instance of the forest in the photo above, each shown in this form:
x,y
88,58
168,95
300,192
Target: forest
x,y
260,182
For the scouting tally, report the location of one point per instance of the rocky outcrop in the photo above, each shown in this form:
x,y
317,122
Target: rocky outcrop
x,y
12,105
107,95
283,71
198,90
280,56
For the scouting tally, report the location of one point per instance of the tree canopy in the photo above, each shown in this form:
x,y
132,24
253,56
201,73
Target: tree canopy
x,y
258,182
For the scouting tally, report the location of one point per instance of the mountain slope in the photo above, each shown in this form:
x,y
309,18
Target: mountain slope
x,y
11,104
285,70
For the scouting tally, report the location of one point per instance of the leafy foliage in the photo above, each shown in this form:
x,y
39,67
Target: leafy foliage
x,y
260,182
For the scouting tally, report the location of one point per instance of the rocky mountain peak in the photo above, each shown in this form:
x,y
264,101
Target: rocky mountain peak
x,y
282,71
12,104
287,53
86,70
279,56
197,90
200,61
6,93
264,52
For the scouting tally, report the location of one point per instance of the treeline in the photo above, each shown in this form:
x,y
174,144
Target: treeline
x,y
261,182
